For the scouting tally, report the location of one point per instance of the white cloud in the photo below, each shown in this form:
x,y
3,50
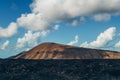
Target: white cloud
x,y
75,22
75,41
102,40
65,9
78,21
33,22
44,33
28,40
56,27
4,45
9,31
45,13
117,45
102,17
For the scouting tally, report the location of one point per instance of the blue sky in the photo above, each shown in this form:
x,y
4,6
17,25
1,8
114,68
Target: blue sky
x,y
27,23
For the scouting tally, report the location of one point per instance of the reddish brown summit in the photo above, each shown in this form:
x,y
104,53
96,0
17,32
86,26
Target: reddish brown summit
x,y
60,51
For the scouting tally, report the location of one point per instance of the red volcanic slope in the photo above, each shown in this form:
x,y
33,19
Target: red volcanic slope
x,y
59,51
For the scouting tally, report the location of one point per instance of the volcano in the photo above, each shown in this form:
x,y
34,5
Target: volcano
x,y
50,50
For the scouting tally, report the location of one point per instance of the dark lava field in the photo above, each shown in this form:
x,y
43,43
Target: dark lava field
x,y
59,69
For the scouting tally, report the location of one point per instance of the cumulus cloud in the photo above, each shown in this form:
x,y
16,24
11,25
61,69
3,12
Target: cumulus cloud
x,y
117,45
56,27
30,39
102,17
102,40
33,22
9,31
65,9
4,45
78,21
74,22
44,13
75,41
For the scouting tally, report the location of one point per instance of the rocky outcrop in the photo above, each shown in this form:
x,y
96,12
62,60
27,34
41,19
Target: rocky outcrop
x,y
60,51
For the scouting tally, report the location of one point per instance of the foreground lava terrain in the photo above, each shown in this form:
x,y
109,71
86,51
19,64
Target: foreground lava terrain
x,y
59,69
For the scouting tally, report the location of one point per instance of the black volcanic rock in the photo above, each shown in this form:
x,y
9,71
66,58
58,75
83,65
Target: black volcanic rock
x,y
59,69
60,51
